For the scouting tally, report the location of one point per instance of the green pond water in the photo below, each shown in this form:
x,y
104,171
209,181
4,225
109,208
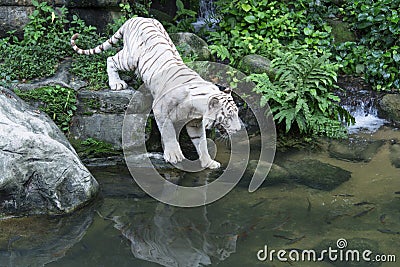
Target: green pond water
x,y
124,227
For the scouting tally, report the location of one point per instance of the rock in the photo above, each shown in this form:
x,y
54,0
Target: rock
x,y
161,16
276,175
341,31
316,174
255,64
355,150
39,240
40,171
190,45
62,78
389,107
117,182
14,14
353,245
395,155
100,114
13,18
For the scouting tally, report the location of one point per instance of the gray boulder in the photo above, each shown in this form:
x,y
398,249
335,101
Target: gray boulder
x,y
40,173
389,107
354,150
395,155
36,240
316,174
276,175
191,45
255,64
100,114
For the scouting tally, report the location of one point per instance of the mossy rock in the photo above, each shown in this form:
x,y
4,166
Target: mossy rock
x,y
341,31
160,15
191,46
316,174
354,150
256,64
395,155
276,175
389,107
92,148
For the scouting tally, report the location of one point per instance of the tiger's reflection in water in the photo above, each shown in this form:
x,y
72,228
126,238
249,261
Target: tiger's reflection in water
x,y
178,236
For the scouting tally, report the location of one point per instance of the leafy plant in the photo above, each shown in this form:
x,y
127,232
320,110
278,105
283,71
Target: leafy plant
x,y
258,27
92,148
58,102
183,19
300,95
138,8
376,54
44,45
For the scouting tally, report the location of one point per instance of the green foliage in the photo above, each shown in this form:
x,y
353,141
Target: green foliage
x,y
220,51
376,54
138,8
93,148
58,102
44,45
183,19
300,96
186,54
258,27
93,68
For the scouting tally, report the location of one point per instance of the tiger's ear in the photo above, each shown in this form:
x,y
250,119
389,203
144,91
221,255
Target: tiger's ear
x,y
213,102
227,90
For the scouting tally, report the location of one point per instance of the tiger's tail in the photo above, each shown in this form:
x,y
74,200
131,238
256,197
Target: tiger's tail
x,y
100,48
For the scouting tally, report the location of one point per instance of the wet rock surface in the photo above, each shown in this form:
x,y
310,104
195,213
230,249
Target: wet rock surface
x,y
276,175
389,107
255,64
116,182
316,174
38,240
395,155
354,150
40,171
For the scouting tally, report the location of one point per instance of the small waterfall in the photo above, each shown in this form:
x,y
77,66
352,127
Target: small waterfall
x,y
362,105
207,15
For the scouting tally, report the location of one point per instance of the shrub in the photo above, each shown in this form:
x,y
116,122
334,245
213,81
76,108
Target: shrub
x,y
376,54
258,27
58,102
300,95
45,43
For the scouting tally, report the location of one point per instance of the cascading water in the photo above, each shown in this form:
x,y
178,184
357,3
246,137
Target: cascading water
x,y
207,15
361,103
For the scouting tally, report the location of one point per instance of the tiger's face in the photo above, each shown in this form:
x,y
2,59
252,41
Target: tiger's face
x,y
223,113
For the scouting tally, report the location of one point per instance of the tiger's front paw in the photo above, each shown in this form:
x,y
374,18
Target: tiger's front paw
x,y
173,155
119,85
211,165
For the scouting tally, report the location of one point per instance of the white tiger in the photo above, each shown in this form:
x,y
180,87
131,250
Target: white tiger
x,y
179,93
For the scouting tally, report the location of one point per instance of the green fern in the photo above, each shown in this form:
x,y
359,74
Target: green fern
x,y
301,96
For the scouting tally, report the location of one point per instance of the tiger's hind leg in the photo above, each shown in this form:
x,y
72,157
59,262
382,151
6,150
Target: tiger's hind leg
x,y
197,133
114,64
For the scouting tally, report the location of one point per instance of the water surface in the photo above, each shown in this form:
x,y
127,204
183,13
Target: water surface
x,y
124,227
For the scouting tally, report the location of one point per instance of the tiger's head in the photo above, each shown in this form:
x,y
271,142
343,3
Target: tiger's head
x,y
222,112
